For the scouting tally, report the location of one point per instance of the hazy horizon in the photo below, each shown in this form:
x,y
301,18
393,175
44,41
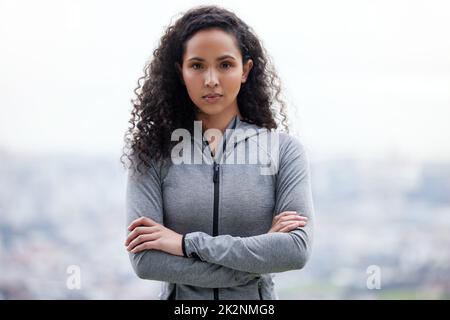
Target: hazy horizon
x,y
364,78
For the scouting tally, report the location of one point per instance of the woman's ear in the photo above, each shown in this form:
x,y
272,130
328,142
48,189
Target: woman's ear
x,y
180,72
246,68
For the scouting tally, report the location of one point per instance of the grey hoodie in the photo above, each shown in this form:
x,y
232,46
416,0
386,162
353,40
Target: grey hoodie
x,y
224,210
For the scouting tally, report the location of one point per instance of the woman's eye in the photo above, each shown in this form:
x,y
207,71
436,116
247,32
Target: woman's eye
x,y
197,66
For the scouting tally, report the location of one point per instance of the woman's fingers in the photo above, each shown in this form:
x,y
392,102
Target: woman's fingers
x,y
287,215
138,231
142,246
291,222
295,217
284,213
142,221
293,225
282,226
142,239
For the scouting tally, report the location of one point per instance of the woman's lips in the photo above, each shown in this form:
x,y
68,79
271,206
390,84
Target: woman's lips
x,y
212,99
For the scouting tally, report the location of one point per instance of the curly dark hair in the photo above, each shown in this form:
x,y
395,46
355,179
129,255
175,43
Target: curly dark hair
x,y
163,104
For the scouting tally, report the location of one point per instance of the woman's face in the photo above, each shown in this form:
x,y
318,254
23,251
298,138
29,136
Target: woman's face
x,y
212,64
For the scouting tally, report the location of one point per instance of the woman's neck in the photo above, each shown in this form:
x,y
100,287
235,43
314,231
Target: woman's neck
x,y
218,121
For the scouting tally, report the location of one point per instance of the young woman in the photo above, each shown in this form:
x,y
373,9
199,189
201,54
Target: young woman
x,y
214,228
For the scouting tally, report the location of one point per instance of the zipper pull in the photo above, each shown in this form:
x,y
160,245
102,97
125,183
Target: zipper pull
x,y
216,172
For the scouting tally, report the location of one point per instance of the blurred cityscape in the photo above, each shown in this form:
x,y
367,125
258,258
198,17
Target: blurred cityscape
x,y
62,210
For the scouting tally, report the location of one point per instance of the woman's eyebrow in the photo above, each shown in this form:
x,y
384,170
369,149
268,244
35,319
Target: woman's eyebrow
x,y
219,58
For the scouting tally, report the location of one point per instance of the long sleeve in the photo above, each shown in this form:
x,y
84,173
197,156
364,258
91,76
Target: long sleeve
x,y
270,252
144,198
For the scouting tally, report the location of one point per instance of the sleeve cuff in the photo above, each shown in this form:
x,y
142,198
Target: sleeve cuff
x,y
183,246
188,247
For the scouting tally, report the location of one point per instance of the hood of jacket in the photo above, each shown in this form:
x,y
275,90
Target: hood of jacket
x,y
236,132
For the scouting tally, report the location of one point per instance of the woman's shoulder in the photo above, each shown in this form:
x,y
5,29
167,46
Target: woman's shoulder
x,y
288,143
284,139
150,166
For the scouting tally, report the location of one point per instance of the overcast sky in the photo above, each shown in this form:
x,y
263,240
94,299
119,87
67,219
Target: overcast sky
x,y
365,77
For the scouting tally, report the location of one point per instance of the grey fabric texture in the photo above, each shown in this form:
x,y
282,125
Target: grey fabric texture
x,y
239,262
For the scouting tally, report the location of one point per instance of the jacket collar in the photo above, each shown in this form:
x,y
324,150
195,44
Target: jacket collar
x,y
246,131
237,131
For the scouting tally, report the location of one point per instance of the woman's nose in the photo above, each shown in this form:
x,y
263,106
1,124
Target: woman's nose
x,y
211,79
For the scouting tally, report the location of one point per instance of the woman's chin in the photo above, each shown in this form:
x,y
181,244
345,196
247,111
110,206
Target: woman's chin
x,y
211,109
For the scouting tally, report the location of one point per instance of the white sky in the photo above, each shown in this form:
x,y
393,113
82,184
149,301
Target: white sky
x,y
366,77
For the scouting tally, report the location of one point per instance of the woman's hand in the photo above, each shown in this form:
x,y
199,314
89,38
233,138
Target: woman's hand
x,y
147,234
287,221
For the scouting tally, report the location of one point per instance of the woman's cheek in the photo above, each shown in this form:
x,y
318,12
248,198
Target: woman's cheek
x,y
190,80
193,88
235,84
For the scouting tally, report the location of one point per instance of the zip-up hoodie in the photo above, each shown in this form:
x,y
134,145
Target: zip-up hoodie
x,y
224,209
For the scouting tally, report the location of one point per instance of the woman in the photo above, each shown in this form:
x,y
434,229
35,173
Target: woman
x,y
214,228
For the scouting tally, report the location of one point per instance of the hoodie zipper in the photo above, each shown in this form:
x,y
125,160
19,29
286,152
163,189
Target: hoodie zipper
x,y
216,180
260,290
216,211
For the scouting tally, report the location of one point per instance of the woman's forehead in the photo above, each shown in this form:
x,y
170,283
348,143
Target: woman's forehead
x,y
211,44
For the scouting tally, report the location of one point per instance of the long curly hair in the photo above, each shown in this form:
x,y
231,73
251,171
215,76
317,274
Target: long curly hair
x,y
162,102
